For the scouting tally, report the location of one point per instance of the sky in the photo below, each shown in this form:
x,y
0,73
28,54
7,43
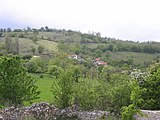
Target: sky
x,y
137,20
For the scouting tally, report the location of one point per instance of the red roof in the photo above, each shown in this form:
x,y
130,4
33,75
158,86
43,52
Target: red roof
x,y
102,63
97,59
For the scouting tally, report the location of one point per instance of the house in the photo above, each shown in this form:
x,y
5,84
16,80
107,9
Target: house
x,y
101,63
76,57
73,56
98,61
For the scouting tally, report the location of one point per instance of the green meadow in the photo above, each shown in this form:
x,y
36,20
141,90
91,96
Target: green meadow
x,y
44,85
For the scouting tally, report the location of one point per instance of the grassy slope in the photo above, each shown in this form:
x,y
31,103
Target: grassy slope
x,y
51,46
26,43
138,58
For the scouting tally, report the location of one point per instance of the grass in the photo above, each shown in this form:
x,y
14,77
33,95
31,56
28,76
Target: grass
x,y
138,58
44,85
49,46
93,45
26,43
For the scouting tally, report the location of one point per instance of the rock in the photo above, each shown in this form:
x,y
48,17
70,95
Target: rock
x,y
1,118
44,111
148,115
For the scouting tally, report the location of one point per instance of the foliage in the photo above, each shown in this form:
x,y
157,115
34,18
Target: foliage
x,y
32,66
151,90
129,112
34,37
54,70
37,65
106,73
87,94
98,94
135,97
27,57
15,85
40,49
80,81
33,49
62,89
8,43
139,76
119,91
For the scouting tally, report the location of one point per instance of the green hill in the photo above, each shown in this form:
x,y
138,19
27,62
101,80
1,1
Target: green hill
x,y
87,45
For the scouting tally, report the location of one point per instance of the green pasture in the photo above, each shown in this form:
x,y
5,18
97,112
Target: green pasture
x,y
44,85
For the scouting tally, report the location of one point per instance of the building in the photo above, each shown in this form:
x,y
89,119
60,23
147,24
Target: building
x,y
99,62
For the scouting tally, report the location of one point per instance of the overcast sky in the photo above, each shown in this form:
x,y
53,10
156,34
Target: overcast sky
x,y
137,20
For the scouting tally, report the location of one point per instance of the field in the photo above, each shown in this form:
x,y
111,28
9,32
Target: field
x,y
138,58
44,85
25,45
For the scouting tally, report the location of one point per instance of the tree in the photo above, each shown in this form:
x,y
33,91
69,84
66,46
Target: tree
x,y
87,93
151,89
119,92
62,89
28,29
1,33
129,111
32,66
33,49
40,49
98,53
8,43
9,30
16,86
115,48
37,64
34,38
106,72
54,70
42,29
98,34
17,45
47,29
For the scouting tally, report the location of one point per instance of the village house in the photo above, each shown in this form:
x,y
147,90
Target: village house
x,y
99,62
73,56
76,57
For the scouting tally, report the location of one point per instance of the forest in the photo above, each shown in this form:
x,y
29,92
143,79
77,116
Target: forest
x,y
65,68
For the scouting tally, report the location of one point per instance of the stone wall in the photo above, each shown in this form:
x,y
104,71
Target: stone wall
x,y
44,111
149,115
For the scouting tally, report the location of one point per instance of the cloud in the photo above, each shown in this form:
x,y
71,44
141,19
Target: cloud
x,y
126,19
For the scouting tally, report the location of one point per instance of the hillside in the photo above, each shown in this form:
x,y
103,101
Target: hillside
x,y
69,68
87,45
26,44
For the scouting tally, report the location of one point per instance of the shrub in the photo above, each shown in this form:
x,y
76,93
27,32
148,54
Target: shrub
x,y
62,89
16,86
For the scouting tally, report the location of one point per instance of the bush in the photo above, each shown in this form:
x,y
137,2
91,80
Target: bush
x,y
62,89
151,90
16,86
28,57
118,89
87,94
129,112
